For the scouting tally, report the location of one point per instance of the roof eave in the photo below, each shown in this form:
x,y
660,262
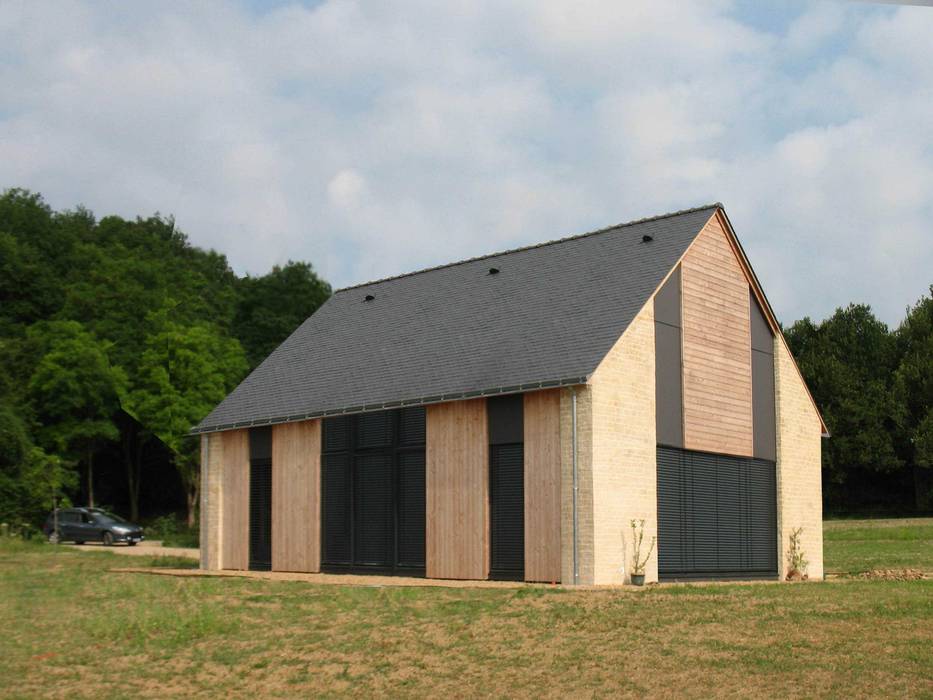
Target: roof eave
x,y
389,405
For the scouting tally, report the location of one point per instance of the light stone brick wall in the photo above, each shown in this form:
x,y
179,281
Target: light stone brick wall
x,y
211,500
624,462
584,485
799,475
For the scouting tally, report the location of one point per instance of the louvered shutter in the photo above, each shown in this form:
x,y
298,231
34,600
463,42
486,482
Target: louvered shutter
x,y
716,515
373,487
507,505
411,509
335,508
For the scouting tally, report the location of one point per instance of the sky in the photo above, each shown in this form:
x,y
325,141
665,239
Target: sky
x,y
376,138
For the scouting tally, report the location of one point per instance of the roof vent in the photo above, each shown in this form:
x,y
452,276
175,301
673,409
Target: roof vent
x,y
647,239
368,297
493,270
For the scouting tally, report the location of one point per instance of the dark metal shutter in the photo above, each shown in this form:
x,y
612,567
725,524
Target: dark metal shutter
x,y
507,510
260,499
335,508
700,497
506,419
675,549
372,510
716,516
411,509
412,426
336,433
762,514
373,491
374,429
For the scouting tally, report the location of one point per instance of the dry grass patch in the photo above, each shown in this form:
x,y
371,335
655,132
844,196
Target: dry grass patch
x,y
155,636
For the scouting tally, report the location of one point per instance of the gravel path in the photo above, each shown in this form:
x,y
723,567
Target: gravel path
x,y
340,579
143,549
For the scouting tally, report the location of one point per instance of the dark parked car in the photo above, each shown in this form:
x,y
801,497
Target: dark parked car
x,y
80,525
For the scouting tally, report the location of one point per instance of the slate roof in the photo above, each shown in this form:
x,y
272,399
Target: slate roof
x,y
548,318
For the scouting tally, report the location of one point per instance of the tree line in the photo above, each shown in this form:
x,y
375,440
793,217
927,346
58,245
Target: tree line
x,y
117,336
874,387
120,333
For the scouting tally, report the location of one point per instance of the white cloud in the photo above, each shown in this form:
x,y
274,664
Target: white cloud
x,y
373,138
345,190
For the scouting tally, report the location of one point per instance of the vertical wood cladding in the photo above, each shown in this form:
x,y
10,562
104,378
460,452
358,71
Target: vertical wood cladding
x,y
457,490
296,515
668,363
235,518
542,486
717,391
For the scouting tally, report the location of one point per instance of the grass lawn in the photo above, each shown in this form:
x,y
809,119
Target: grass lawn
x,y
860,545
74,629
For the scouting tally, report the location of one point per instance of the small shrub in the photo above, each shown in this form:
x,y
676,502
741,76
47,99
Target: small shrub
x,y
796,561
162,527
20,530
638,535
172,532
186,538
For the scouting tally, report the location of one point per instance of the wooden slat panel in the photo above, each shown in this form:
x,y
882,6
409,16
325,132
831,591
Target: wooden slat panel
x,y
716,347
457,490
235,536
542,486
296,498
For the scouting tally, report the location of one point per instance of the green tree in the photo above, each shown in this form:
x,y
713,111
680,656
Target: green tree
x,y
110,276
128,270
848,361
271,307
30,479
913,383
184,372
31,242
75,391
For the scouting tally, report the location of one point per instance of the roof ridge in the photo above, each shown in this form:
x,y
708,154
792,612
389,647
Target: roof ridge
x,y
555,241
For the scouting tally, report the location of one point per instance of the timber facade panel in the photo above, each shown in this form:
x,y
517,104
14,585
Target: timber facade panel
x,y
235,540
457,488
296,513
716,347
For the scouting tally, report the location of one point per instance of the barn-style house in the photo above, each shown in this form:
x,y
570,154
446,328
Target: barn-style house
x,y
509,416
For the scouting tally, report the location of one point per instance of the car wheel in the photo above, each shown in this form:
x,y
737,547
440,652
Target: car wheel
x,y
54,538
107,539
79,541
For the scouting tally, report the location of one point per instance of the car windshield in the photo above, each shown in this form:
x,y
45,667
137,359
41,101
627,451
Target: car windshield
x,y
104,516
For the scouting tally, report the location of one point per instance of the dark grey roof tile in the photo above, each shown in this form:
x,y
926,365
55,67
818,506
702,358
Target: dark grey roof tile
x,y
551,314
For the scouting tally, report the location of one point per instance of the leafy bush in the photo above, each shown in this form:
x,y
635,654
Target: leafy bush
x,y
172,531
187,538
